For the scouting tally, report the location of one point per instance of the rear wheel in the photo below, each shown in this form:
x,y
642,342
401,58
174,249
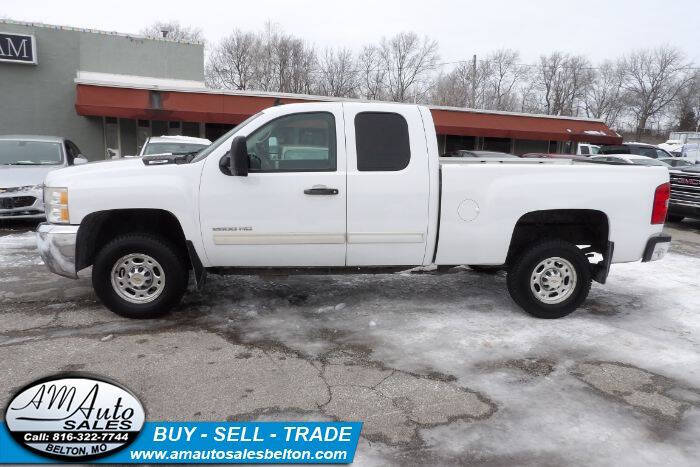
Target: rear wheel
x,y
674,218
550,279
139,276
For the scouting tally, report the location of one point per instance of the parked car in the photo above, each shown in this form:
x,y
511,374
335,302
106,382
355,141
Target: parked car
x,y
545,155
640,149
173,145
676,161
630,159
479,153
24,163
691,152
585,149
380,201
685,194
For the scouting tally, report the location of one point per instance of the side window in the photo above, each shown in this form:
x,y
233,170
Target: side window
x,y
302,142
381,139
584,150
661,153
649,152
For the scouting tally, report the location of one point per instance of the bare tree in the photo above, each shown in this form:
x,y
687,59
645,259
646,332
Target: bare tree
x,y
371,74
563,80
654,78
173,30
502,74
408,61
233,63
337,74
604,98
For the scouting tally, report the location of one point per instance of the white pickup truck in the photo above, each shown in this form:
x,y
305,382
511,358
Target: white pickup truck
x,y
347,187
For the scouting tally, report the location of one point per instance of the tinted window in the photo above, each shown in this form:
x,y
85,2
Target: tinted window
x,y
294,143
614,150
584,150
642,151
381,140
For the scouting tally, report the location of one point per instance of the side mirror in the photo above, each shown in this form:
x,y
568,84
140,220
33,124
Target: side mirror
x,y
239,157
80,160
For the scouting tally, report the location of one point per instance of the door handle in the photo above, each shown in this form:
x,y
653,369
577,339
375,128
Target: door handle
x,y
321,191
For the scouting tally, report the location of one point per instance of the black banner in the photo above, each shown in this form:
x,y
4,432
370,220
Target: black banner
x,y
18,48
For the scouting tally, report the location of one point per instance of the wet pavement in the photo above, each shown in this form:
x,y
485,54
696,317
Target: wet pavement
x,y
442,369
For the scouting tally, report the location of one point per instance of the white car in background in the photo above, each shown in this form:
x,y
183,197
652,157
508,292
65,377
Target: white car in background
x,y
585,149
24,163
631,159
173,145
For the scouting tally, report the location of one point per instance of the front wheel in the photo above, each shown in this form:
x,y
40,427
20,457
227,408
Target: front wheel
x,y
550,279
139,276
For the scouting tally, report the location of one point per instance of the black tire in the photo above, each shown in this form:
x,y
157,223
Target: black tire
x,y
674,218
172,261
485,269
523,268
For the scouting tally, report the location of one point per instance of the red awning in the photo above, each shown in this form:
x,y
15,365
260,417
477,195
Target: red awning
x,y
212,107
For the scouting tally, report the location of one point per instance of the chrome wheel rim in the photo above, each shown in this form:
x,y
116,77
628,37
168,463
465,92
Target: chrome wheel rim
x,y
553,280
138,278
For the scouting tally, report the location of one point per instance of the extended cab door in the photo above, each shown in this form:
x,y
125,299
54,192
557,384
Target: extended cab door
x,y
290,209
388,185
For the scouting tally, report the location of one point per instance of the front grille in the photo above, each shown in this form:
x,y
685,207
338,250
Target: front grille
x,y
685,189
16,202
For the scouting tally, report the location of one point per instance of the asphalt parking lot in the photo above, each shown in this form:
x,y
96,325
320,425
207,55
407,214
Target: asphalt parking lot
x,y
441,369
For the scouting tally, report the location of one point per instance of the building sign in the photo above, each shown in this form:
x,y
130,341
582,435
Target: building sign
x,y
17,48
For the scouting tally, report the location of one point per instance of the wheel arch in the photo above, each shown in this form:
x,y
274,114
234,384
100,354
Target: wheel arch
x,y
577,226
98,228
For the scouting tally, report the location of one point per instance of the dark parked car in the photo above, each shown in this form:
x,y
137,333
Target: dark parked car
x,y
640,149
544,155
475,153
685,194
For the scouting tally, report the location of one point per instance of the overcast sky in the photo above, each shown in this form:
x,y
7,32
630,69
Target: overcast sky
x,y
598,28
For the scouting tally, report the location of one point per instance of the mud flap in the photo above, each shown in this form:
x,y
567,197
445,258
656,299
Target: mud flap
x,y
200,274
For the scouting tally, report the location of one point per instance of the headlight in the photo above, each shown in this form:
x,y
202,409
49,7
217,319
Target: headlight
x,y
56,204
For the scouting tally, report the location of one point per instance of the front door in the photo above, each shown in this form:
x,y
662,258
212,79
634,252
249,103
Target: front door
x,y
290,209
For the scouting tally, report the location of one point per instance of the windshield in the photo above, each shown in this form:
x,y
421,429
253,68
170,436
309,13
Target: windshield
x,y
173,148
208,150
14,152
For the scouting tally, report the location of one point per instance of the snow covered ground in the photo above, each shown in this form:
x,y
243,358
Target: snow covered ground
x,y
443,369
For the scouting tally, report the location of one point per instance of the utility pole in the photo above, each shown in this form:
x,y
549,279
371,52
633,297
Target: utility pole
x,y
473,103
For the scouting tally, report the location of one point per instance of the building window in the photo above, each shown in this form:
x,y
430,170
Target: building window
x,y
111,138
455,143
497,144
381,140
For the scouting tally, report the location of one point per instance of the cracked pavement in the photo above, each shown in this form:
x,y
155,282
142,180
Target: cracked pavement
x,y
442,369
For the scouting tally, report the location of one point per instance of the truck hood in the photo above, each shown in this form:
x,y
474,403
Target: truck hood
x,y
13,176
94,170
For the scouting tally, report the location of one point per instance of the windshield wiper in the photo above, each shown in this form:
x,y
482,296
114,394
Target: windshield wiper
x,y
24,163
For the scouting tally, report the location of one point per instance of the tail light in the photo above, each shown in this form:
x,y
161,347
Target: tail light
x,y
660,207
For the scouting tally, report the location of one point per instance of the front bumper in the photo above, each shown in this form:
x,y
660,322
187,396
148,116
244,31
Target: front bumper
x,y
18,204
684,209
656,248
56,244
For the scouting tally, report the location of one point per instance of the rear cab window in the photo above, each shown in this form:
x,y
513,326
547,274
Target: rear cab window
x,y
382,142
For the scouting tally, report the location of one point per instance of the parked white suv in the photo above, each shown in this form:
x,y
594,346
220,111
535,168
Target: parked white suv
x,y
24,163
173,145
347,187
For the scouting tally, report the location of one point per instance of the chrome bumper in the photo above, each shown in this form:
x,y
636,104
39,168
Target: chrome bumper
x,y
56,244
